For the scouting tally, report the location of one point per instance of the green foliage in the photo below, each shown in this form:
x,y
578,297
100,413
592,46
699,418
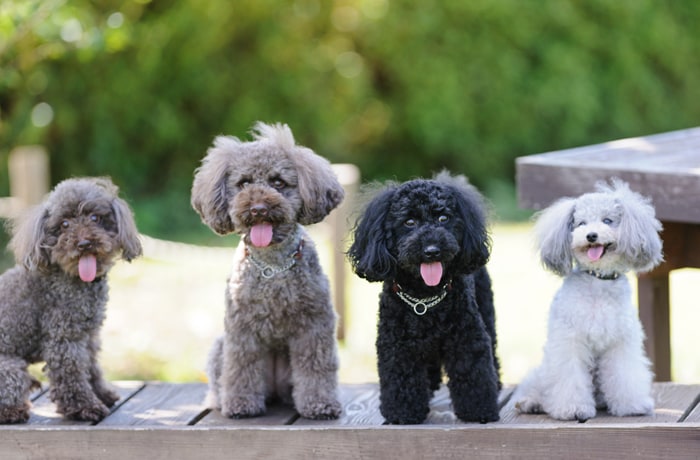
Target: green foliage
x,y
137,89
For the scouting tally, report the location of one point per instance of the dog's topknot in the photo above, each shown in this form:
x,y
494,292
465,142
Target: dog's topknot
x,y
277,133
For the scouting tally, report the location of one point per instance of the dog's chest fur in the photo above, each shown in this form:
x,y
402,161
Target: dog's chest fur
x,y
284,304
598,311
68,308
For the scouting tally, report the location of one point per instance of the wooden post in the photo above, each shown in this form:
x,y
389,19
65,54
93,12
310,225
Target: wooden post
x,y
654,312
349,177
29,174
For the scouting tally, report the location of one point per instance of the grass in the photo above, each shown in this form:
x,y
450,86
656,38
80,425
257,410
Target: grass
x,y
166,308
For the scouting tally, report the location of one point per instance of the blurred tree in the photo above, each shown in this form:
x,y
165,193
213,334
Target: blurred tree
x,y
137,89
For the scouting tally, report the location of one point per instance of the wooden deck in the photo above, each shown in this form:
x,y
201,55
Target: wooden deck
x,y
161,420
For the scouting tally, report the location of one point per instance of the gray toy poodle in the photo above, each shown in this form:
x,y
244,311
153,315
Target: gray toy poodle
x,y
52,304
279,339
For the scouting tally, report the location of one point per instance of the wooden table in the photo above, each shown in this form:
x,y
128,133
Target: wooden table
x,y
156,420
665,167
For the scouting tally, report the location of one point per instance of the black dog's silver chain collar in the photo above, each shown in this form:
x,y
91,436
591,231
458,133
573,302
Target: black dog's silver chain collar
x,y
268,271
420,306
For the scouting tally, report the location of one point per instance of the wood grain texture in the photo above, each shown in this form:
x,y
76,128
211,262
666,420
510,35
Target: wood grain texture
x,y
161,404
422,442
154,420
665,167
275,415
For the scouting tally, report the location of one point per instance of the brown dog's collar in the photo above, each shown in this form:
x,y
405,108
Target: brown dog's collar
x,y
268,270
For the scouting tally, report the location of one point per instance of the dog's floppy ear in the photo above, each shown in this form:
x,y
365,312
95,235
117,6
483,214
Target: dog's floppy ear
x,y
475,247
319,188
210,191
127,234
639,230
369,253
553,228
28,235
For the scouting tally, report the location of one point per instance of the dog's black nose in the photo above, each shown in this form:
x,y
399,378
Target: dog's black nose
x,y
431,252
592,237
85,245
258,210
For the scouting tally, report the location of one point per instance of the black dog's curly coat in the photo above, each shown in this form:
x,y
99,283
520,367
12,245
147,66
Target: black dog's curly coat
x,y
427,241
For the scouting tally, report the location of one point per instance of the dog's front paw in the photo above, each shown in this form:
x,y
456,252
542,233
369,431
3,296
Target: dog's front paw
x,y
579,413
15,414
644,406
528,406
241,407
107,396
321,410
93,413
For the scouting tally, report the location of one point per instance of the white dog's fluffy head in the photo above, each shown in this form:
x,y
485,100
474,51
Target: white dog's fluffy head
x,y
611,230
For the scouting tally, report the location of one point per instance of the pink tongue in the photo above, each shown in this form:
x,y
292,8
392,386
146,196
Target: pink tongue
x,y
595,252
261,234
431,273
87,268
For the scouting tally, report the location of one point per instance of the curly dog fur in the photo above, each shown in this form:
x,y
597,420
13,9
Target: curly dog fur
x,y
52,304
279,339
427,241
594,356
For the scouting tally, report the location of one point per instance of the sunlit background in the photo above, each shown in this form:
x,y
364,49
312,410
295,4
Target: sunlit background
x,y
137,89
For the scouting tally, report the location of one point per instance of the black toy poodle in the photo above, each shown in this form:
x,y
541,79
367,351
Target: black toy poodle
x,y
427,241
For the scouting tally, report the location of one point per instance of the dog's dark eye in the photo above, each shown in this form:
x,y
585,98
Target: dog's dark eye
x,y
242,183
607,221
581,224
277,183
65,224
95,218
442,219
410,223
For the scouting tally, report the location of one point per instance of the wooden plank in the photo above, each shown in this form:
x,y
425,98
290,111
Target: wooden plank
x,y
276,414
665,441
654,313
44,410
665,167
673,195
161,404
694,416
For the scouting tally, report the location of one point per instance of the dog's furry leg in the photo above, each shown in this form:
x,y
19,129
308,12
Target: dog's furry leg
x,y
625,380
473,380
15,385
242,383
101,388
68,366
314,361
567,382
404,382
214,364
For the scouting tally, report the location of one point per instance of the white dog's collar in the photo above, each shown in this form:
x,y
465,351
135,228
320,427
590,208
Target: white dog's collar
x,y
602,276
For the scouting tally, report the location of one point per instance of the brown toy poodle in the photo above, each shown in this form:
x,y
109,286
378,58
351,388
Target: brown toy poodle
x,y
52,304
279,336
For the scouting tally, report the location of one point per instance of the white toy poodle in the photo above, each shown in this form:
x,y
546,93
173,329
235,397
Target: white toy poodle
x,y
594,357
